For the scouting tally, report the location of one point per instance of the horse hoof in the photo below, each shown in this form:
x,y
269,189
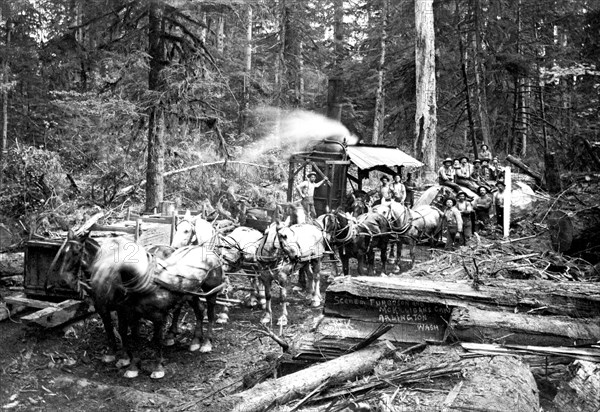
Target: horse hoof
x,y
206,347
123,363
158,374
315,303
297,289
109,358
383,275
169,342
130,374
396,269
194,347
265,320
282,321
222,318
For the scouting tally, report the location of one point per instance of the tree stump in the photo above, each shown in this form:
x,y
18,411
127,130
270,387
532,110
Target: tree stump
x,y
576,232
582,393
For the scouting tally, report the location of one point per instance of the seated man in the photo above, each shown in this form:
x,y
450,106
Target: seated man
x,y
446,174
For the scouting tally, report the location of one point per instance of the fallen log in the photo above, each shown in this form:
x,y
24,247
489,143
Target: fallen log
x,y
475,325
573,232
526,169
296,385
582,393
368,298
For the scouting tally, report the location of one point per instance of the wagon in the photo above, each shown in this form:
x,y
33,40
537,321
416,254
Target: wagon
x,y
346,167
46,290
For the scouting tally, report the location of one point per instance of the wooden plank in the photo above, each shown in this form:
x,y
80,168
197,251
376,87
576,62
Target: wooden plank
x,y
417,321
20,299
475,325
575,299
65,311
401,333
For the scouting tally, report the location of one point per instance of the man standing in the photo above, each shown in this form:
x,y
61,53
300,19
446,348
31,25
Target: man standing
x,y
306,189
498,201
398,189
482,205
385,191
410,187
452,223
466,209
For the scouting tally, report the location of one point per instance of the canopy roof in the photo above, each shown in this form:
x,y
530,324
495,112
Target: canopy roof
x,y
367,157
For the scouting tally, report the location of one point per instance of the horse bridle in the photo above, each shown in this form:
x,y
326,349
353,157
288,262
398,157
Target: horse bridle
x,y
349,227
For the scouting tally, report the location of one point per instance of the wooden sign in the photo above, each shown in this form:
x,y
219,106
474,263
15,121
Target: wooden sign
x,y
416,321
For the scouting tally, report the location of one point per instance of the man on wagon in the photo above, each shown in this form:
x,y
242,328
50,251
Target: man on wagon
x,y
306,189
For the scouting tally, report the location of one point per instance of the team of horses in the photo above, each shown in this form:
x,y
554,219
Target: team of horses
x,y
138,283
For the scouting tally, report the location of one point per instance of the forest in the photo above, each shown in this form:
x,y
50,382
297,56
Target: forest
x,y
100,95
172,128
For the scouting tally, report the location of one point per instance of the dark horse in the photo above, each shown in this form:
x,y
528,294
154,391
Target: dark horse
x,y
124,278
358,238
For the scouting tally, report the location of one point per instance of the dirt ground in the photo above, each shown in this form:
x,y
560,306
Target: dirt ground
x,y
61,369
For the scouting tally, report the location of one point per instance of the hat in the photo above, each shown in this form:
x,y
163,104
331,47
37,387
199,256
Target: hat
x,y
485,160
384,177
500,182
476,161
446,160
462,192
482,187
463,157
452,199
309,174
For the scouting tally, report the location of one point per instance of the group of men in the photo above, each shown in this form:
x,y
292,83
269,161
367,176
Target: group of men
x,y
464,216
399,190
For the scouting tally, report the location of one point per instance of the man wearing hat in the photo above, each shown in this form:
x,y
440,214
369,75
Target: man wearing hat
x,y
466,209
498,202
306,189
482,206
446,174
453,223
385,191
477,175
398,189
463,175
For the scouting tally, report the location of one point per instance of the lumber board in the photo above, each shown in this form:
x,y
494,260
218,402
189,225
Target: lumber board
x,y
63,312
574,299
20,299
401,333
476,325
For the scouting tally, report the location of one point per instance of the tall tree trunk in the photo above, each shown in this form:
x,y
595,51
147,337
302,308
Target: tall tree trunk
x,y
291,49
426,111
300,75
156,145
480,89
380,95
465,76
4,83
520,118
243,115
335,87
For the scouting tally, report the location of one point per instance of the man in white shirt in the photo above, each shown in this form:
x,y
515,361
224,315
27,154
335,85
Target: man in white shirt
x,y
306,189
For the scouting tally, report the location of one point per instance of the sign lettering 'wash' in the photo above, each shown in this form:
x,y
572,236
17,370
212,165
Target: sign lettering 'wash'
x,y
416,321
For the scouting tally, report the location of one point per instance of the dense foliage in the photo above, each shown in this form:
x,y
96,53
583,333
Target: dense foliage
x,y
77,78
